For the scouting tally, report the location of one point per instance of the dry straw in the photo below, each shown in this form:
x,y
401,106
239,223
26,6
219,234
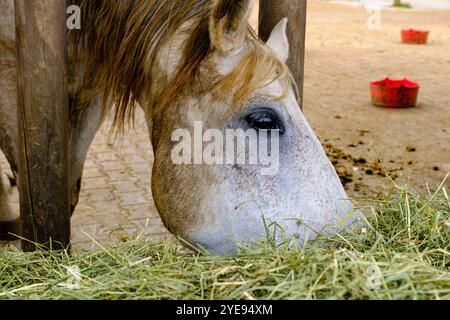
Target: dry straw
x,y
401,253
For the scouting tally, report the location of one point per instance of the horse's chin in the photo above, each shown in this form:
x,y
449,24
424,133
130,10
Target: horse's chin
x,y
227,241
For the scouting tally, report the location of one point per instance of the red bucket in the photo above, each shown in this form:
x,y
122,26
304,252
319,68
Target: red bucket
x,y
412,36
394,93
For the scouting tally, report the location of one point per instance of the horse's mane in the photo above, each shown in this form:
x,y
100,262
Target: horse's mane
x,y
118,47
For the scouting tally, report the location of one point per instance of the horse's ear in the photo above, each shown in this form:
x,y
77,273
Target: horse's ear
x,y
228,24
278,40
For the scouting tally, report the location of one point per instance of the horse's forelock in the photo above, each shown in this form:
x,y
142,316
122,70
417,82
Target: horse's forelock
x,y
119,45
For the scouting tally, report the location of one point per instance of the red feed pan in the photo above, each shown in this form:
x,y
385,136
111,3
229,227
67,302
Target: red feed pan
x,y
394,93
415,36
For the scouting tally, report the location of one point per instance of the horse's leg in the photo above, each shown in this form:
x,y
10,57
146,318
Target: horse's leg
x,y
81,136
8,107
9,221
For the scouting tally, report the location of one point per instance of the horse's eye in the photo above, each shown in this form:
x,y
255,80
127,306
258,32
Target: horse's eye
x,y
265,120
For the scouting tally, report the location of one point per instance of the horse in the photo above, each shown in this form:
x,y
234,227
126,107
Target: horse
x,y
188,62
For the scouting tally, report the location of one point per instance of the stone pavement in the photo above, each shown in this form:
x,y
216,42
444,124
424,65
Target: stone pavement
x,y
115,200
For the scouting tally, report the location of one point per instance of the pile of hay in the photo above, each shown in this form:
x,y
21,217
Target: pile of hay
x,y
402,253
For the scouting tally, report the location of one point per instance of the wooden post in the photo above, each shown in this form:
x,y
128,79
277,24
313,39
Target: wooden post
x,y
270,13
43,119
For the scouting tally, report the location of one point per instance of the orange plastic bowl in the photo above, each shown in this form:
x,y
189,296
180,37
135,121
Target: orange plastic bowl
x,y
390,93
412,36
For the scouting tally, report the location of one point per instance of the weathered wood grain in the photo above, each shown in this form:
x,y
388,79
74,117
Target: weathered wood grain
x,y
43,119
271,12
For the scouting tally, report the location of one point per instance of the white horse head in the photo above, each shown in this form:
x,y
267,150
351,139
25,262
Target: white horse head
x,y
242,86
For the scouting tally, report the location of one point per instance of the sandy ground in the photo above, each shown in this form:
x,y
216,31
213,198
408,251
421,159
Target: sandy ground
x,y
416,4
342,56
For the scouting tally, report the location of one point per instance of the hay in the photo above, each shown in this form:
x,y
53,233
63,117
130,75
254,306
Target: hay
x,y
402,253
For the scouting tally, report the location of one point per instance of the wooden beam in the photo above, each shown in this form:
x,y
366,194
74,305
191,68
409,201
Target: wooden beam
x,y
270,13
43,119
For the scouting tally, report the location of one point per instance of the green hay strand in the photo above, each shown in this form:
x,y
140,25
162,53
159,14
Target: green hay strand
x,y
406,239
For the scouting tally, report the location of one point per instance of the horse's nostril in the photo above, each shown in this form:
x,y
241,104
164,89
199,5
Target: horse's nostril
x,y
78,184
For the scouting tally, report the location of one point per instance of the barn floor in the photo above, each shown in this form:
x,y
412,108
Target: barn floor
x,y
342,57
